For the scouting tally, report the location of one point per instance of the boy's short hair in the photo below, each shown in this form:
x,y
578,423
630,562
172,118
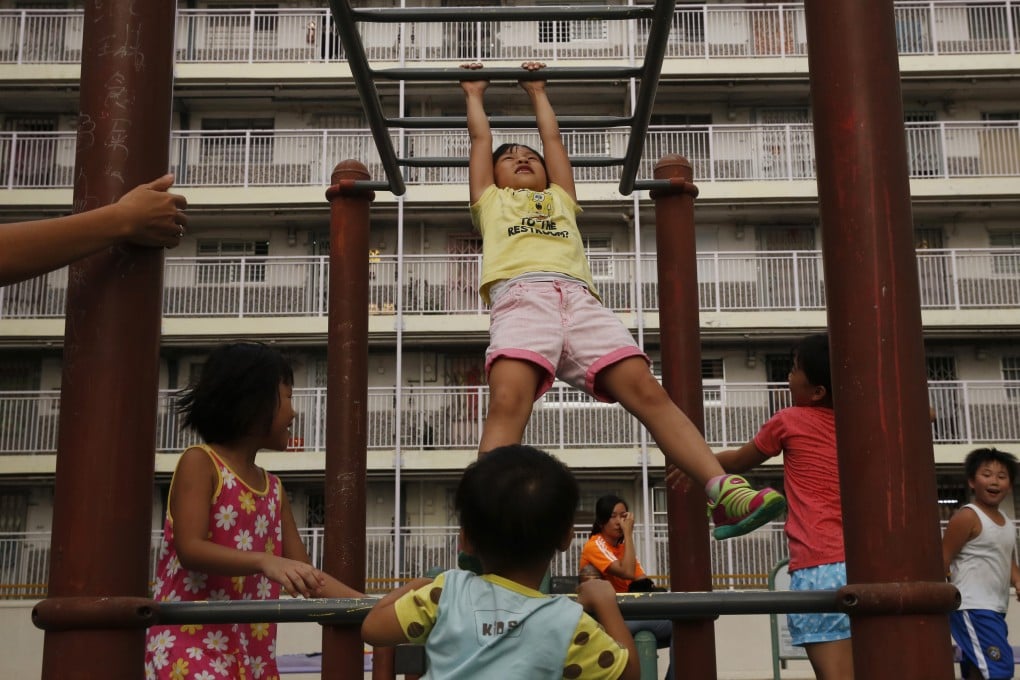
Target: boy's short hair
x,y
510,146
237,392
516,506
812,357
978,457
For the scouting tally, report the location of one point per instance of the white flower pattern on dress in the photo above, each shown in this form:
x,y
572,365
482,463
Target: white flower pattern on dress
x,y
264,589
194,582
243,540
226,518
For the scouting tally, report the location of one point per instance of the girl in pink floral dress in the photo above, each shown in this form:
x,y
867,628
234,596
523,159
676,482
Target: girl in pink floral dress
x,y
229,532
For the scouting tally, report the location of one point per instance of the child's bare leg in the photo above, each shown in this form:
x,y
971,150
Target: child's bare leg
x,y
831,660
512,387
632,384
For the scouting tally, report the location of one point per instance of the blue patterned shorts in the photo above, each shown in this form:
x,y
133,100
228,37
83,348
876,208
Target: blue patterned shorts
x,y
806,629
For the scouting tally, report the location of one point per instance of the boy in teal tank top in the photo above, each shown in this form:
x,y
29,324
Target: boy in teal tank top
x,y
516,507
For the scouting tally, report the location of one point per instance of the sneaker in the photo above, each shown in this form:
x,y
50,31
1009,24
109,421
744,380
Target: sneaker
x,y
740,509
469,563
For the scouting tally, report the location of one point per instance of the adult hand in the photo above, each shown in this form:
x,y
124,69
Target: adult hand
x,y
152,215
627,523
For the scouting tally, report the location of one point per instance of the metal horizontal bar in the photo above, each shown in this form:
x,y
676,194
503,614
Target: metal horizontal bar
x,y
456,74
373,185
437,14
652,184
361,72
462,162
566,122
658,39
633,606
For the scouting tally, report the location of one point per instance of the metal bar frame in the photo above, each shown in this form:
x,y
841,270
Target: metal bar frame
x,y
346,18
460,122
859,600
345,24
436,14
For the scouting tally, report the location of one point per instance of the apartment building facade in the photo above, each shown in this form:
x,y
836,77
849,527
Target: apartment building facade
x,y
264,107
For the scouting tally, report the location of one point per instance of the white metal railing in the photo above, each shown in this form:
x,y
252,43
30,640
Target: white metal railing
x,y
737,563
961,278
742,562
302,35
718,153
450,417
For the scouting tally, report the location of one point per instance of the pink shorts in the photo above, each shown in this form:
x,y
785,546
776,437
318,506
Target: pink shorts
x,y
561,327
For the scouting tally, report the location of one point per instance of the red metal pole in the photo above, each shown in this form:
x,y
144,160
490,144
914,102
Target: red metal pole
x,y
382,663
102,513
346,407
886,457
690,562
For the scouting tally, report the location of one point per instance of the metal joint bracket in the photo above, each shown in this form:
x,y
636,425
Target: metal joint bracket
x,y
883,599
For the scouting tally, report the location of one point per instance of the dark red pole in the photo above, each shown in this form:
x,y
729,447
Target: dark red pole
x,y
346,406
102,515
690,563
382,663
886,463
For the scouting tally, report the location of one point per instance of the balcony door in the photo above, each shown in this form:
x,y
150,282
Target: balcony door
x,y
464,375
924,144
21,419
44,33
787,144
946,397
468,40
788,280
34,151
462,283
777,373
933,270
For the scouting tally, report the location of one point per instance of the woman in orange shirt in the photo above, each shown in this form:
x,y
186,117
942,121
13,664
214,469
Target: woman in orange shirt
x,y
611,551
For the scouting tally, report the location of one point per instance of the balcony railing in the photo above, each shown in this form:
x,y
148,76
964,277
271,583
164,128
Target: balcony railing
x,y
737,563
447,284
711,31
450,417
719,153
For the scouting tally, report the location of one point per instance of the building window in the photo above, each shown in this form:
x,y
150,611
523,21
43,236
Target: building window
x,y
588,30
600,257
13,511
1011,372
220,263
1006,263
316,514
712,378
235,140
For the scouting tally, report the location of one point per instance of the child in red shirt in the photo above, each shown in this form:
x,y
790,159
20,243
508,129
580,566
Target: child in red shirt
x,y
805,434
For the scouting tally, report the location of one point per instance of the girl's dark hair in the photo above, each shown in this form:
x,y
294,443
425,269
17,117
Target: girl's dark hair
x,y
812,357
237,393
978,457
516,505
510,146
604,510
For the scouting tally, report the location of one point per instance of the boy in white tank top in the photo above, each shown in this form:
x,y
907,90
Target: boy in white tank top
x,y
977,552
